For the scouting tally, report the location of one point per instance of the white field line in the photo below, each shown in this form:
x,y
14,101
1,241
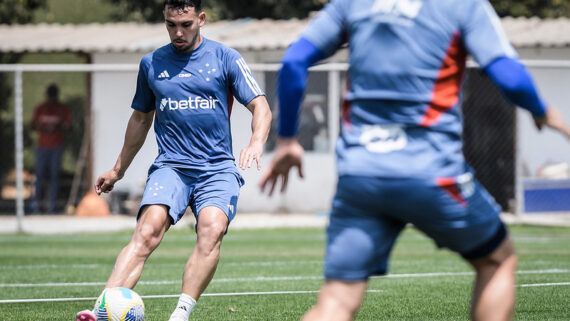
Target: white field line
x,y
95,266
543,284
171,296
269,279
229,294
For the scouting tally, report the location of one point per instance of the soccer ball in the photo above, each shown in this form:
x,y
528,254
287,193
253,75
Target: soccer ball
x,y
119,304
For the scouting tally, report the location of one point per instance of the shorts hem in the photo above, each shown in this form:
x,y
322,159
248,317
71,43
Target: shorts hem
x,y
488,247
173,219
347,276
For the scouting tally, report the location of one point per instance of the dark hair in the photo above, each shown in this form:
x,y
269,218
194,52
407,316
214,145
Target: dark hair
x,y
52,91
181,4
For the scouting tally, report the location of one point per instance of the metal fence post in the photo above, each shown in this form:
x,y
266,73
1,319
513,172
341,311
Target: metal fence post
x,y
19,148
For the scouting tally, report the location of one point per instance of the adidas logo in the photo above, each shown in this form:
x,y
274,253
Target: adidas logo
x,y
164,74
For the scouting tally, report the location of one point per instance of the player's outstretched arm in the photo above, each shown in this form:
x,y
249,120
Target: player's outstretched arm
x,y
288,154
553,119
517,85
135,135
260,123
292,80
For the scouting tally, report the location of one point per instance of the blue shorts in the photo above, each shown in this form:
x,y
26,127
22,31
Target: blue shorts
x,y
178,189
369,213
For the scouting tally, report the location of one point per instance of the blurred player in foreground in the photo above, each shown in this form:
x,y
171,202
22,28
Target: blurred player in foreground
x,y
400,152
187,88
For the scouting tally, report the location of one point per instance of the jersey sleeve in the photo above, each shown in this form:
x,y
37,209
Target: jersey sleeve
x,y
144,99
327,30
241,81
483,35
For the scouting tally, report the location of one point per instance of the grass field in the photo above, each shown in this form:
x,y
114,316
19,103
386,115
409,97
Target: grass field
x,y
273,275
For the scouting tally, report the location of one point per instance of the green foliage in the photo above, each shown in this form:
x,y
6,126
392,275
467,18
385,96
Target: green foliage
x,y
273,9
531,8
75,12
151,10
18,11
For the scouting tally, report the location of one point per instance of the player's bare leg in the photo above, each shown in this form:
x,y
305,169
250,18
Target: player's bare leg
x,y
338,301
494,289
153,223
202,264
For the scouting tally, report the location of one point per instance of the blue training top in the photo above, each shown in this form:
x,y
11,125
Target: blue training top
x,y
192,94
407,61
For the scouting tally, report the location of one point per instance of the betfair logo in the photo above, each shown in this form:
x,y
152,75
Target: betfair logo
x,y
190,103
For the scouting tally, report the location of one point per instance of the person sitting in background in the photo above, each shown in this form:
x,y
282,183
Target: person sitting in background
x,y
51,119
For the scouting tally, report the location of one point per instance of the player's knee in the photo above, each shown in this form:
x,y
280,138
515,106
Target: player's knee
x,y
342,307
210,236
146,239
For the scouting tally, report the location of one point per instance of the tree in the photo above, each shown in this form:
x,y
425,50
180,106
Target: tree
x,y
530,8
19,11
151,10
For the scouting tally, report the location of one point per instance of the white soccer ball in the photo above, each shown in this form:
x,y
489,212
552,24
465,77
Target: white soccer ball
x,y
119,304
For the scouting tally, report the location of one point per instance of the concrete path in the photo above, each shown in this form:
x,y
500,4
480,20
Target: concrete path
x,y
68,224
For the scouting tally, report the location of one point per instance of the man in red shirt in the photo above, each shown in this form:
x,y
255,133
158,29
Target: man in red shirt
x,y
52,120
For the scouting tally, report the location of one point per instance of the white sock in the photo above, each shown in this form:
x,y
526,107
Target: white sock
x,y
183,308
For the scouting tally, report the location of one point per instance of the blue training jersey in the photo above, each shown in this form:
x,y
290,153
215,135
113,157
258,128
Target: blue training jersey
x,y
192,94
407,60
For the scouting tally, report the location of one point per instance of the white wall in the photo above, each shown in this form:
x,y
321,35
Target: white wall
x,y
112,94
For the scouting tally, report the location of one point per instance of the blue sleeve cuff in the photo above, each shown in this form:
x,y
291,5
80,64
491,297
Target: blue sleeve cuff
x,y
516,84
291,83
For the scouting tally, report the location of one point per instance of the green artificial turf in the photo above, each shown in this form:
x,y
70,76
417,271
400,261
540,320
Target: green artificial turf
x,y
283,261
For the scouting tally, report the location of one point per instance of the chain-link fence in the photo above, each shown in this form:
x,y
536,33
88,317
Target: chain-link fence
x,y
498,141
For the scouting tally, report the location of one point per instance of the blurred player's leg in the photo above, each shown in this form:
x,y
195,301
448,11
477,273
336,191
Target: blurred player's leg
x,y
494,290
338,301
152,224
202,264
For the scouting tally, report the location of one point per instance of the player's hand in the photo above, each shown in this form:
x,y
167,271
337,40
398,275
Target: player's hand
x,y
553,119
106,182
288,154
252,152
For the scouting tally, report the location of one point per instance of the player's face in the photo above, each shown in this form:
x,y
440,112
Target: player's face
x,y
183,27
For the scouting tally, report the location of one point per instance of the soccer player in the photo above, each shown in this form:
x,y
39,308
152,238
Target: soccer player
x,y
399,156
186,88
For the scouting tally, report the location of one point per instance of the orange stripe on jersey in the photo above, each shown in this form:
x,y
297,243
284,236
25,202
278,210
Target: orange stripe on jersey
x,y
448,82
449,185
